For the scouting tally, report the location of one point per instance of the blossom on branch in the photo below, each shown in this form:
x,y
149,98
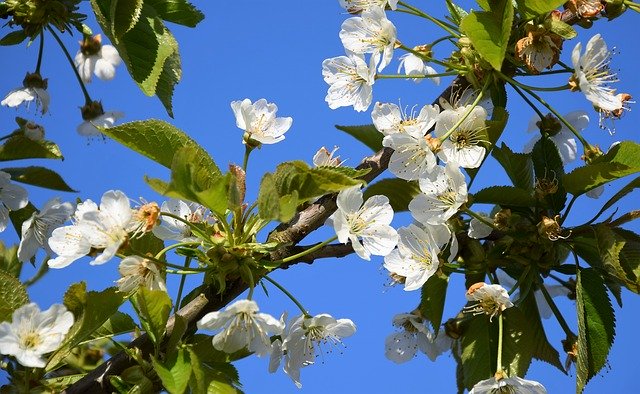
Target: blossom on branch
x,y
12,198
413,65
350,80
34,88
259,121
95,58
559,133
38,228
174,229
402,346
370,33
355,6
514,385
488,299
139,272
464,144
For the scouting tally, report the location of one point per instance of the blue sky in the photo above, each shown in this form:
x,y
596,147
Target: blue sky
x,y
274,50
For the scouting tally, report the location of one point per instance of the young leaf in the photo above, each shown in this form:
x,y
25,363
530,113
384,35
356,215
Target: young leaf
x,y
119,323
517,345
620,253
434,292
506,196
175,371
9,262
123,16
13,295
20,147
367,134
631,186
489,30
548,168
529,9
13,38
39,176
596,326
518,166
399,192
477,357
159,141
153,308
620,161
177,11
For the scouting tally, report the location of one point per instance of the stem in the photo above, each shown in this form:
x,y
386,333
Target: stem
x,y
163,263
559,280
545,73
407,76
529,87
554,309
187,261
174,246
467,112
500,331
245,161
429,59
526,99
569,206
288,294
444,25
480,218
439,40
194,229
44,268
307,251
87,98
517,285
40,50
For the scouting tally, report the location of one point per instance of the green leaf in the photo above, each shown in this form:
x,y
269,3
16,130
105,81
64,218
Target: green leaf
x,y
456,12
620,253
507,196
477,357
631,186
548,167
518,344
20,147
119,323
159,141
212,376
179,328
529,9
175,371
20,216
489,30
9,262
39,176
494,130
124,14
177,11
90,311
620,161
153,308
560,28
13,295
13,38
434,292
541,348
294,183
367,134
518,166
399,192
596,326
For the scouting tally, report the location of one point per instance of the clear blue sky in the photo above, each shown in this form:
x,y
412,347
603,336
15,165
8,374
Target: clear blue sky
x,y
255,49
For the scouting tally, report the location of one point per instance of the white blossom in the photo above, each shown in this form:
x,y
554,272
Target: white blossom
x,y
563,139
403,345
443,193
27,94
353,220
593,75
139,272
174,229
413,65
12,198
104,228
513,385
324,158
463,145
478,229
89,128
350,81
38,228
259,121
355,6
416,258
33,131
390,119
98,59
371,33
488,299
242,327
306,335
32,333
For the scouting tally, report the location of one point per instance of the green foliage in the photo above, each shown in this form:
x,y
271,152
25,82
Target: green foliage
x,y
146,45
518,342
596,325
118,323
478,360
456,12
399,191
631,186
153,308
175,371
18,217
367,134
489,30
13,38
38,176
541,348
434,293
518,166
494,130
12,295
506,196
90,312
20,147
9,262
620,254
159,141
620,161
549,169
294,183
529,9
562,29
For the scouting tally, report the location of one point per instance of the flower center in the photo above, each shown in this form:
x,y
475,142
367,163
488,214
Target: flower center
x,y
30,340
358,224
